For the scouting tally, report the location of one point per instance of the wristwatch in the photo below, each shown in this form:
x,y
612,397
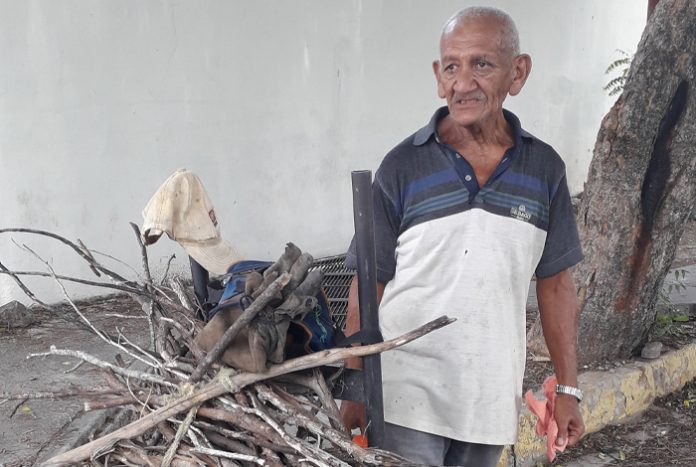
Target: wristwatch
x,y
570,390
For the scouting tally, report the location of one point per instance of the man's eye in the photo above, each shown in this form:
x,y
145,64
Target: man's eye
x,y
481,64
451,67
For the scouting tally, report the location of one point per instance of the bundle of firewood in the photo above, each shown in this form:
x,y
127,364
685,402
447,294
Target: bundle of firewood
x,y
177,404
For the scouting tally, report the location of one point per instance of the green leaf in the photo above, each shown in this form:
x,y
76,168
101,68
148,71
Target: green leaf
x,y
617,63
681,318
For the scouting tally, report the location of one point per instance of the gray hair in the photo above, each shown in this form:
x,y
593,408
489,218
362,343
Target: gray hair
x,y
511,38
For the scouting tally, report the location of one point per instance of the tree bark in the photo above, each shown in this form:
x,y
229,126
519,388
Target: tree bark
x,y
639,192
640,188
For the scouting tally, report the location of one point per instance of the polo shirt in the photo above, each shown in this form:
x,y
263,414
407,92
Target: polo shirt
x,y
447,247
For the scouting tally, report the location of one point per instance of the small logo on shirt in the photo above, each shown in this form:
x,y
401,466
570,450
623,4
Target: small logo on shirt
x,y
520,213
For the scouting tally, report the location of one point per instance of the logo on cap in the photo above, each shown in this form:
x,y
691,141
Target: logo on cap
x,y
211,213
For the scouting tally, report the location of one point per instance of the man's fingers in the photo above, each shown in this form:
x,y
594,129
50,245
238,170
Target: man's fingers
x,y
575,433
573,438
353,415
562,436
569,420
561,439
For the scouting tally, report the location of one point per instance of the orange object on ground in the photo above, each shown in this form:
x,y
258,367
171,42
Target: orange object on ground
x,y
543,409
360,440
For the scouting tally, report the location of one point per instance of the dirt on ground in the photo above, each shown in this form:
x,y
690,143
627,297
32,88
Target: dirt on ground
x,y
32,428
662,436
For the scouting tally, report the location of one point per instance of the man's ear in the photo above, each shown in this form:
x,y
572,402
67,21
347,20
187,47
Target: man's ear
x,y
522,66
436,70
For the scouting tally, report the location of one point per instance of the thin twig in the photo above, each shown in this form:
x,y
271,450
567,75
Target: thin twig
x,y
319,429
166,270
106,365
120,280
230,455
89,254
324,459
24,288
143,253
55,395
86,321
178,288
108,285
116,260
88,258
16,407
183,428
96,331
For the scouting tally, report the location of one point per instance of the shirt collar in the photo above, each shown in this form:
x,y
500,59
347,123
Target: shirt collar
x,y
424,134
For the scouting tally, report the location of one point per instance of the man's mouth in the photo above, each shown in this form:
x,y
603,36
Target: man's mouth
x,y
468,99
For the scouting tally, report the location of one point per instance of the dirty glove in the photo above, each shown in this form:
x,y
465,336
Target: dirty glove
x,y
269,330
265,338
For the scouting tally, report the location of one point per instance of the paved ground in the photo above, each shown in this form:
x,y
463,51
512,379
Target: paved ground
x,y
32,430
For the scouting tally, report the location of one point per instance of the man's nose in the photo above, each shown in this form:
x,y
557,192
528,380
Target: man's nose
x,y
464,81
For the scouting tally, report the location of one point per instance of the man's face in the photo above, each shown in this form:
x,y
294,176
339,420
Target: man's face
x,y
475,72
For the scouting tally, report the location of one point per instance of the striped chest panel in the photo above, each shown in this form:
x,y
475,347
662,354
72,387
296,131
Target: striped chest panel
x,y
522,191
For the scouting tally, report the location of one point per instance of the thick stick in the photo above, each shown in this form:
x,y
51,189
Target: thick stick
x,y
228,382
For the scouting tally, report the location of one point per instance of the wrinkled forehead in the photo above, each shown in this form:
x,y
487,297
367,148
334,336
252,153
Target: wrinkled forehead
x,y
486,29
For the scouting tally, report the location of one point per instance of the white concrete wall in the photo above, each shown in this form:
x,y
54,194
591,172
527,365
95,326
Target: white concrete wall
x,y
273,103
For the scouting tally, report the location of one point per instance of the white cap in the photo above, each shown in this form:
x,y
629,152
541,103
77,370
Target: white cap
x,y
182,209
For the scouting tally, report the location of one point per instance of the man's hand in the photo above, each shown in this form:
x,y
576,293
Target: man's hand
x,y
568,418
353,415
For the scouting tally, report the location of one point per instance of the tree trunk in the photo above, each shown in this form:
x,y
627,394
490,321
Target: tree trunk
x,y
640,189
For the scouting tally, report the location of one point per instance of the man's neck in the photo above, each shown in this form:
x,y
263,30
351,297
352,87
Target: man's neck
x,y
477,139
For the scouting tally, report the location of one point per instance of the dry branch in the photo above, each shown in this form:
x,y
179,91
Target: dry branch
x,y
228,381
181,407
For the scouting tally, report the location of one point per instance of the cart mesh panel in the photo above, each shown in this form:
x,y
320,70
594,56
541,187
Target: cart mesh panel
x,y
336,284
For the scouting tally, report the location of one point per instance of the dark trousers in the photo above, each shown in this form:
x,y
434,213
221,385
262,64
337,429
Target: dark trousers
x,y
427,448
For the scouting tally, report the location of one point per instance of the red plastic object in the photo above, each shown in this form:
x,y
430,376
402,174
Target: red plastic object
x,y
360,440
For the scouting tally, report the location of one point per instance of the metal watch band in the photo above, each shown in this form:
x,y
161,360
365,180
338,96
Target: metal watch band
x,y
570,390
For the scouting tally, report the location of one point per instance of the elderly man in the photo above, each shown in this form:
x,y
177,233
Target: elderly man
x,y
467,209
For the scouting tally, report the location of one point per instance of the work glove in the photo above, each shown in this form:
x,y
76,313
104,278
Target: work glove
x,y
264,340
268,331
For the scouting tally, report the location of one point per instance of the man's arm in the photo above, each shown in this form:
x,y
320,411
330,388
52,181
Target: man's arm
x,y
558,308
353,413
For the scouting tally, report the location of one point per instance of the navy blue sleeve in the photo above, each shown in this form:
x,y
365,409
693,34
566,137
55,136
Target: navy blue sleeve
x,y
562,249
386,232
